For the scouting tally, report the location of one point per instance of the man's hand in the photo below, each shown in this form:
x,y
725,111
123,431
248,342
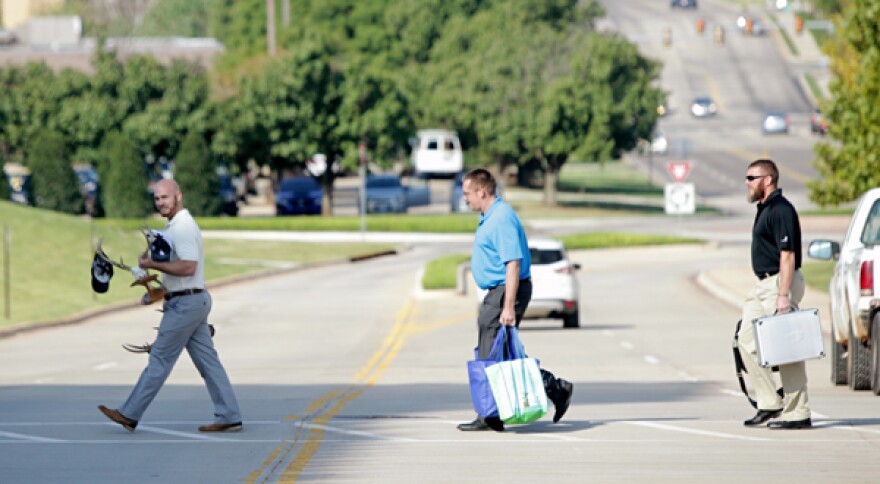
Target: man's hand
x,y
145,261
508,317
783,304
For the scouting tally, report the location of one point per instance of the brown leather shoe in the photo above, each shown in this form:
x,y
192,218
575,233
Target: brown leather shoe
x,y
117,417
220,427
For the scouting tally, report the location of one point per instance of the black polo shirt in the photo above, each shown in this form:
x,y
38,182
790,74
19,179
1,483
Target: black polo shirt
x,y
776,228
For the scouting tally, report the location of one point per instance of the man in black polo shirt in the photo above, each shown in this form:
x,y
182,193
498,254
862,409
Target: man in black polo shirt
x,y
776,260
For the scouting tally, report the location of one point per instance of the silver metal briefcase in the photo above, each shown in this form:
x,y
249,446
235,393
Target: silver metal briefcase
x,y
789,337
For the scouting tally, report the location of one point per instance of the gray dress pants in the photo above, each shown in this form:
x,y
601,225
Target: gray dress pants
x,y
184,325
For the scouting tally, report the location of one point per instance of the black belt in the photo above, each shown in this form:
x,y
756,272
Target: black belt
x,y
765,275
185,292
527,279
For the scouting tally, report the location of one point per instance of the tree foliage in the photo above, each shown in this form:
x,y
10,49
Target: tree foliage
x,y
196,173
124,179
849,164
54,183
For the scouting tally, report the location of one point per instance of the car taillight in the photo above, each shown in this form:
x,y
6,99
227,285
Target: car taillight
x,y
565,270
569,304
866,279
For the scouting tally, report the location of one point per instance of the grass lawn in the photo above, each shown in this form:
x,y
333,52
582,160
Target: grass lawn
x,y
817,274
51,254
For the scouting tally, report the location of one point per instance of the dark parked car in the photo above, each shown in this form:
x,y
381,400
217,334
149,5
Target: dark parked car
x,y
457,202
88,185
818,123
299,195
386,193
229,195
684,4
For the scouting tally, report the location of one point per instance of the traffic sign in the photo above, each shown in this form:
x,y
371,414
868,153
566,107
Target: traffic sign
x,y
679,170
680,198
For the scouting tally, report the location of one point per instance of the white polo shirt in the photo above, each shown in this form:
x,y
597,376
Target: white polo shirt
x,y
186,238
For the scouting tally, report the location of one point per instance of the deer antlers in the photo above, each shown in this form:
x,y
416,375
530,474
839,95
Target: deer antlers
x,y
141,277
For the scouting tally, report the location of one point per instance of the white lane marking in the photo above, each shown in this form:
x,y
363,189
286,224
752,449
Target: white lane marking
x,y
626,345
673,428
28,438
104,366
651,360
608,332
730,392
358,433
186,435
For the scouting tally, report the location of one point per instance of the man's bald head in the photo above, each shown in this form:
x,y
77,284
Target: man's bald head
x,y
167,196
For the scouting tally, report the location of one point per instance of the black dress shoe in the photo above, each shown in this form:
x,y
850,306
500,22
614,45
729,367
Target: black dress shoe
x,y
791,424
489,423
477,424
495,423
762,417
565,389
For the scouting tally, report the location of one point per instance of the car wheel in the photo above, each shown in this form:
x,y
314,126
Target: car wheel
x,y
572,320
838,362
875,355
859,363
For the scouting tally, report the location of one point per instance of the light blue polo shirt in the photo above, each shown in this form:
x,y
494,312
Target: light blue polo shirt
x,y
500,238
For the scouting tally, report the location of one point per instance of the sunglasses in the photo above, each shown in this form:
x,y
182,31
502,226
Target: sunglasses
x,y
754,177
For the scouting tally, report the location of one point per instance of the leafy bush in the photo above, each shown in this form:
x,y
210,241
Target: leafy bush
x,y
55,185
196,174
124,179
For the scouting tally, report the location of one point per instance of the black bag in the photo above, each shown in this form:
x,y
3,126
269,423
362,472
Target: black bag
x,y
741,368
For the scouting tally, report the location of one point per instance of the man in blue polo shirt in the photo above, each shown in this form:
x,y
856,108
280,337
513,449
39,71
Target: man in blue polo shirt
x,y
501,264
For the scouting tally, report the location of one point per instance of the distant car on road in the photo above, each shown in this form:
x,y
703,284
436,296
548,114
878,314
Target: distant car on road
x,y
703,106
555,290
299,195
818,122
684,4
659,143
775,122
387,193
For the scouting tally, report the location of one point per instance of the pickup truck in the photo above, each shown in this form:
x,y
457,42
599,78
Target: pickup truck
x,y
854,297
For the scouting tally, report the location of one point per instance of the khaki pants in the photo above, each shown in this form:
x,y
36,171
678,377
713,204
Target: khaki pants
x,y
761,302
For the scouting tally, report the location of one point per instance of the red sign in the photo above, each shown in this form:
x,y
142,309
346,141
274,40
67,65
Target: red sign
x,y
679,170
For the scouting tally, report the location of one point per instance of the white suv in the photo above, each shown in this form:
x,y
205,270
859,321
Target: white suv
x,y
555,291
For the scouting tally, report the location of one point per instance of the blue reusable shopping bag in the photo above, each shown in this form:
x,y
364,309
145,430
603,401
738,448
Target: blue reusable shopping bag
x,y
481,391
517,385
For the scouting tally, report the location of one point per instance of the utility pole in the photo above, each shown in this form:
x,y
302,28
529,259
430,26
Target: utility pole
x,y
270,26
285,12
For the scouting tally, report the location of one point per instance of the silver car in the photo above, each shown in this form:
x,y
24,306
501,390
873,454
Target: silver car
x,y
775,122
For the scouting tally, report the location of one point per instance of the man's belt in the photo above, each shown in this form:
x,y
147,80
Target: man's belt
x,y
185,292
765,275
527,279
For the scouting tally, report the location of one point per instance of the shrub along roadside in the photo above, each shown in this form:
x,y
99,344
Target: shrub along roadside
x,y
441,273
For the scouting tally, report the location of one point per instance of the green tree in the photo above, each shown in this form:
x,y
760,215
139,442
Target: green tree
x,y
54,183
124,180
5,191
849,164
196,173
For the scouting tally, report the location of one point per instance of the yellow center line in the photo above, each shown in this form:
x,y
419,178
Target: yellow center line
x,y
336,400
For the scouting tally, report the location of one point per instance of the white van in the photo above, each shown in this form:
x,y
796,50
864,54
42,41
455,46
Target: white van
x,y
438,151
